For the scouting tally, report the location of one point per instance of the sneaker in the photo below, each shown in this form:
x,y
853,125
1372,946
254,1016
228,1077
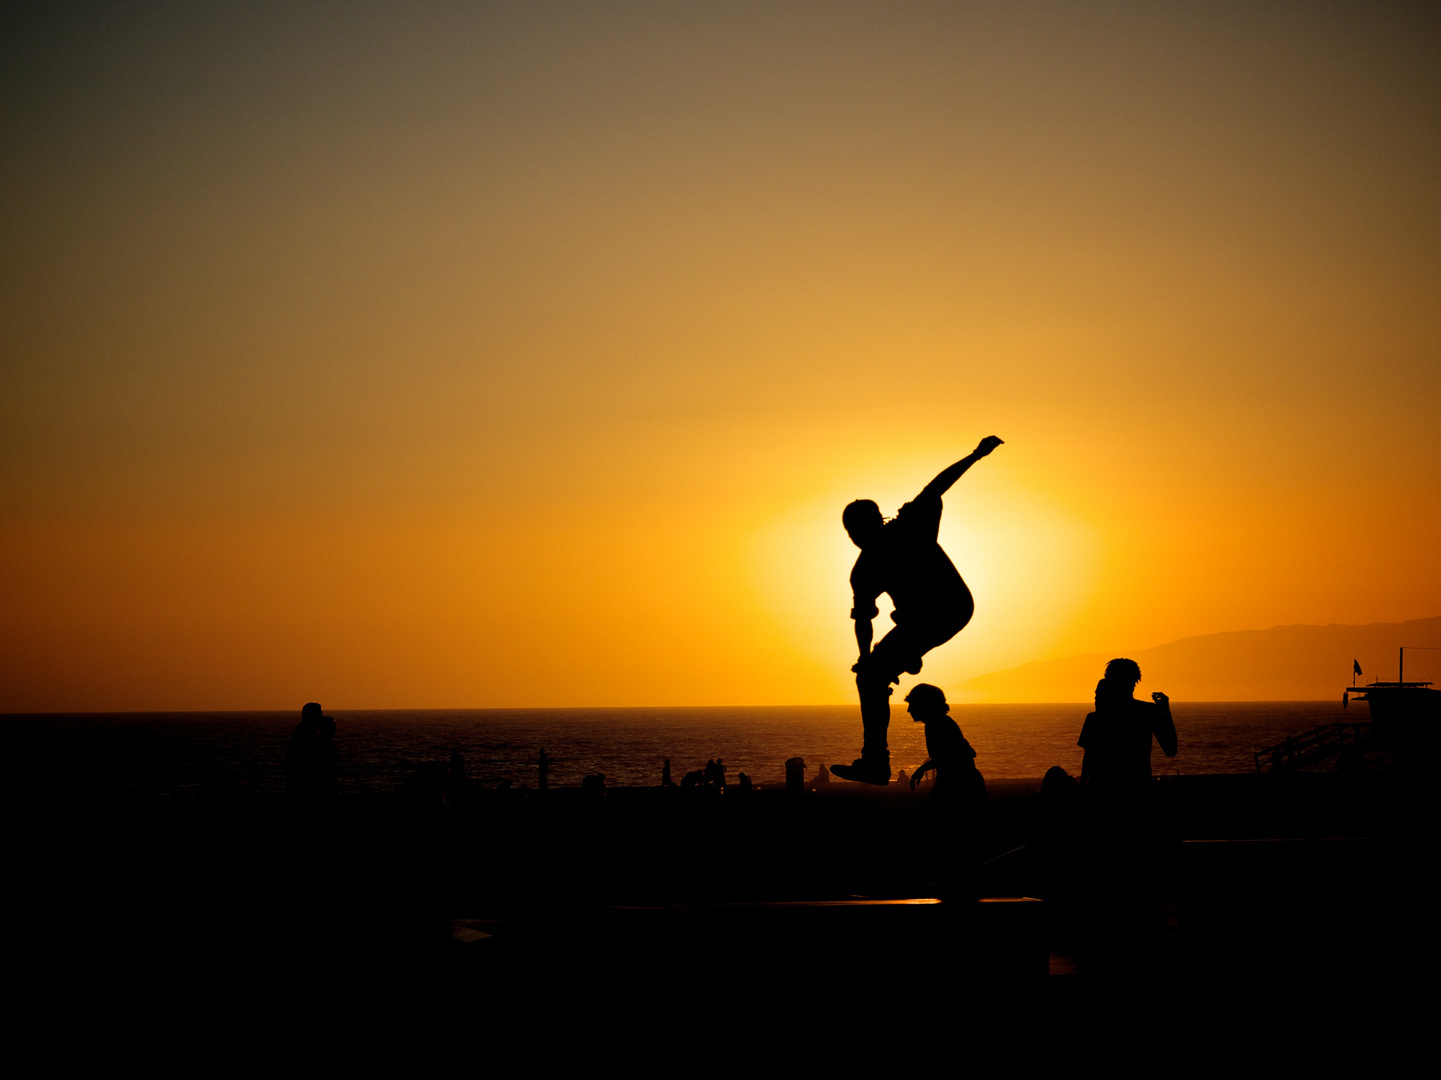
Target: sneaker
x,y
864,772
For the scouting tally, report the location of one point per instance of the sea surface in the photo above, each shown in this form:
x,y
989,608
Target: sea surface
x,y
148,755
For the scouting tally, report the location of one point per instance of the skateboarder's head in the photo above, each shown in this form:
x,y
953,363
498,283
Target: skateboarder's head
x,y
863,521
1124,673
926,702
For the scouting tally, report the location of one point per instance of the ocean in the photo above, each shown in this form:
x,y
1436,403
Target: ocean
x,y
150,755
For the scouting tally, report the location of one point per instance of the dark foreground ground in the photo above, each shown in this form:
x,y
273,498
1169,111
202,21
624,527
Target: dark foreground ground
x,y
521,901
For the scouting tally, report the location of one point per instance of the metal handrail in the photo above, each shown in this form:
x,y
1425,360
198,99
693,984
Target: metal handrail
x,y
1313,745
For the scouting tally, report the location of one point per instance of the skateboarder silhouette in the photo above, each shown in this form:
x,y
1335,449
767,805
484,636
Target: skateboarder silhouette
x,y
902,558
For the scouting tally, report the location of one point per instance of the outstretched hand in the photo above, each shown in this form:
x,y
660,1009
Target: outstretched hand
x,y
986,445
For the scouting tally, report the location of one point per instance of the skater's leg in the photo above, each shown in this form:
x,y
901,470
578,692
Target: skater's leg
x,y
900,651
875,673
873,685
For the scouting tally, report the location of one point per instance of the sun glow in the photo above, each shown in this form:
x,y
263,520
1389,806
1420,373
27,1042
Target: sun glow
x,y
454,360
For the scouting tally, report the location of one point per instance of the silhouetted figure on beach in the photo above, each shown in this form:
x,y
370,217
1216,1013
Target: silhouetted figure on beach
x,y
301,754
1117,736
543,781
311,758
665,780
715,775
958,796
902,558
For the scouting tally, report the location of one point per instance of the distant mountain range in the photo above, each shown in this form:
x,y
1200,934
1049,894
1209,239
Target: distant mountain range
x,y
1284,663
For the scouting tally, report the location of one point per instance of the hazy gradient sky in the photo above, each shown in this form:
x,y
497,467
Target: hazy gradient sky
x,y
525,354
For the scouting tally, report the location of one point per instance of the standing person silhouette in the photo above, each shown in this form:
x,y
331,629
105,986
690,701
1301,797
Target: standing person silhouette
x,y
902,558
1119,858
1117,736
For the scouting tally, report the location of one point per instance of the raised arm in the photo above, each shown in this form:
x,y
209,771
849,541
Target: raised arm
x,y
1165,729
949,475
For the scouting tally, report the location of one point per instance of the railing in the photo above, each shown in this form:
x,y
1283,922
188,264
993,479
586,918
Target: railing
x,y
1315,745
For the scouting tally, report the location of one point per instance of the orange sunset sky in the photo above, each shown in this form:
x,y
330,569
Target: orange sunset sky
x,y
466,354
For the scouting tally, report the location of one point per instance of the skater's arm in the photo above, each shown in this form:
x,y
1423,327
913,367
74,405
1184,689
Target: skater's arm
x,y
949,475
863,609
864,634
1165,727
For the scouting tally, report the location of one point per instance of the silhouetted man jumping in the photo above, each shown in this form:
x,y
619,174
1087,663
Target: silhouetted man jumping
x,y
903,559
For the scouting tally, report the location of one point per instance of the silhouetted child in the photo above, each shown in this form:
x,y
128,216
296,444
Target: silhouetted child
x,y
958,795
958,781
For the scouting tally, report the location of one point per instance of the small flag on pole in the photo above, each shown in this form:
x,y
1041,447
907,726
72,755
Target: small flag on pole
x,y
1355,667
